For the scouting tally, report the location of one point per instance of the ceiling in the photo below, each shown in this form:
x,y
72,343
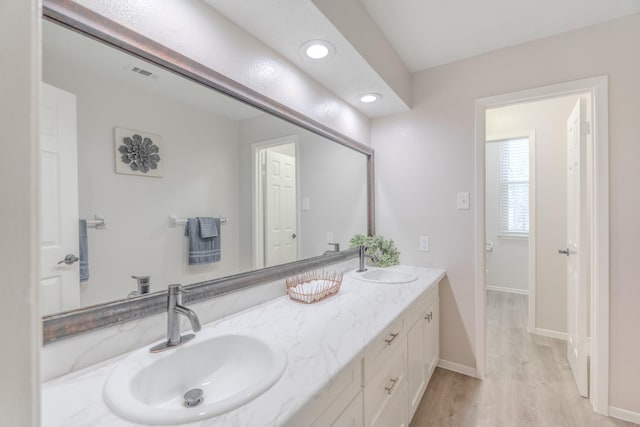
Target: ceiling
x,y
419,33
285,25
427,33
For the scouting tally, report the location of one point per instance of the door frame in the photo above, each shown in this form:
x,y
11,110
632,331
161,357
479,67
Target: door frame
x,y
598,255
531,239
257,210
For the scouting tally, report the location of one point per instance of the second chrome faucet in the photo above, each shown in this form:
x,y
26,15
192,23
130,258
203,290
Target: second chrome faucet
x,y
174,309
363,255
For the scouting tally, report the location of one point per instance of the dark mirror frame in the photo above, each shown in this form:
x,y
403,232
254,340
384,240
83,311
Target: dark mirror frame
x,y
87,22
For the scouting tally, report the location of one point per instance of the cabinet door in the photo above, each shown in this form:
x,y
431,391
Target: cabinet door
x,y
416,373
432,338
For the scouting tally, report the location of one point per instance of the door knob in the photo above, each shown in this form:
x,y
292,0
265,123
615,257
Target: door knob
x,y
69,259
293,236
564,251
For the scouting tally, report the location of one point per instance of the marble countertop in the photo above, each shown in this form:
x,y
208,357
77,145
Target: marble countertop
x,y
320,340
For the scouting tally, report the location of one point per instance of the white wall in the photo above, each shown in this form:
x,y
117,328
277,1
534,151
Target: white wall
x,y
200,152
332,176
19,306
427,155
204,35
548,119
508,262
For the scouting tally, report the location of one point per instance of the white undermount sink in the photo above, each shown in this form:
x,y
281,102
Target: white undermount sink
x,y
231,369
384,275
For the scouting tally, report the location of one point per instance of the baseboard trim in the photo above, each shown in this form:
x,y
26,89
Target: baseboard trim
x,y
551,334
456,367
508,290
623,414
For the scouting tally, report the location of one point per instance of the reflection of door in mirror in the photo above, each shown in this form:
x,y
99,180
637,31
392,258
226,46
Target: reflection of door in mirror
x,y
58,201
277,211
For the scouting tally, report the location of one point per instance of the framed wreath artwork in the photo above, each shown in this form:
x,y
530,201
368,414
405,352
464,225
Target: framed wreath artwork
x,y
138,153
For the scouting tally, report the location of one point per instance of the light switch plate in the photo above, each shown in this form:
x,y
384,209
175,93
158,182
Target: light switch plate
x,y
306,204
463,200
425,243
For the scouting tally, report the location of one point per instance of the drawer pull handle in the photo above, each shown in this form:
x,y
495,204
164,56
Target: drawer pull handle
x,y
394,383
390,341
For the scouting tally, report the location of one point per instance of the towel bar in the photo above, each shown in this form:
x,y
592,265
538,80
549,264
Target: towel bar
x,y
96,222
174,220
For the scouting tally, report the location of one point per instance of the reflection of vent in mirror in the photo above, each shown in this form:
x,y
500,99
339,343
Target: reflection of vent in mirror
x,y
141,71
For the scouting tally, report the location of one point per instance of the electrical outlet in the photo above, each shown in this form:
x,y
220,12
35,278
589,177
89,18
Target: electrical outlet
x,y
425,243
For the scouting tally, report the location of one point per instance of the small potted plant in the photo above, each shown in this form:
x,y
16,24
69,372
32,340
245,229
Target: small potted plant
x,y
385,251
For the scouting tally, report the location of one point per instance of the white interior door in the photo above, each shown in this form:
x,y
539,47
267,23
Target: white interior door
x,y
60,282
577,291
280,209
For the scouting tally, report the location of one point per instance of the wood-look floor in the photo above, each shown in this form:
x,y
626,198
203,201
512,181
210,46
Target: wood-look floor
x,y
528,382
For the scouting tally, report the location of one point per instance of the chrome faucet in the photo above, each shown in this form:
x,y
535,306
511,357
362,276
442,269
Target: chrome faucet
x,y
336,248
362,252
174,309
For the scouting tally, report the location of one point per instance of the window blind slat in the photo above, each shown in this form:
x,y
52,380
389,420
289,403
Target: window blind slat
x,y
514,186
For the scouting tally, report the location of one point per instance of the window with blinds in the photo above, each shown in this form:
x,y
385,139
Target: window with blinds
x,y
514,187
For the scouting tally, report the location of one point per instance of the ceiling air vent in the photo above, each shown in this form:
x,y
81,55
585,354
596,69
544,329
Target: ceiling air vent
x,y
141,71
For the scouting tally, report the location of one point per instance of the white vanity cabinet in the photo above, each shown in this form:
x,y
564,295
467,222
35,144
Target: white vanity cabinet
x,y
385,395
340,405
432,337
423,349
384,386
337,415
399,364
416,363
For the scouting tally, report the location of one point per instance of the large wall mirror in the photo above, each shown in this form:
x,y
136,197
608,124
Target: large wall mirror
x,y
131,151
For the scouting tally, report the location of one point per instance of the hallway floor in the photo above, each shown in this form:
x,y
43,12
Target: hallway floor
x,y
528,382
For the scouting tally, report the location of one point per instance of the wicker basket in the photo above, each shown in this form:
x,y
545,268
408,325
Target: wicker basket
x,y
309,288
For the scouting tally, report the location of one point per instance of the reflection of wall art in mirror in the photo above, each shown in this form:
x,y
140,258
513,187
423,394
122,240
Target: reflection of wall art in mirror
x,y
138,153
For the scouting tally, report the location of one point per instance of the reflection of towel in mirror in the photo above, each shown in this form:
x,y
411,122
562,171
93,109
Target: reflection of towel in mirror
x,y
208,227
84,251
204,240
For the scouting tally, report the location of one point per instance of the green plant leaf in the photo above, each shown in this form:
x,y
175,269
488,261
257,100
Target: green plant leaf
x,y
384,250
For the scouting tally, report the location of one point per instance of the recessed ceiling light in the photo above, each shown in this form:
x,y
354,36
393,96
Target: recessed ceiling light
x,y
370,97
318,49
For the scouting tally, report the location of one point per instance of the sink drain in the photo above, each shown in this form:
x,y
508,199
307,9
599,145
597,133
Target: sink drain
x,y
193,397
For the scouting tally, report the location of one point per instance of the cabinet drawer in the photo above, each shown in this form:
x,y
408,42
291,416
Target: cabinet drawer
x,y
337,415
385,385
395,411
381,348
